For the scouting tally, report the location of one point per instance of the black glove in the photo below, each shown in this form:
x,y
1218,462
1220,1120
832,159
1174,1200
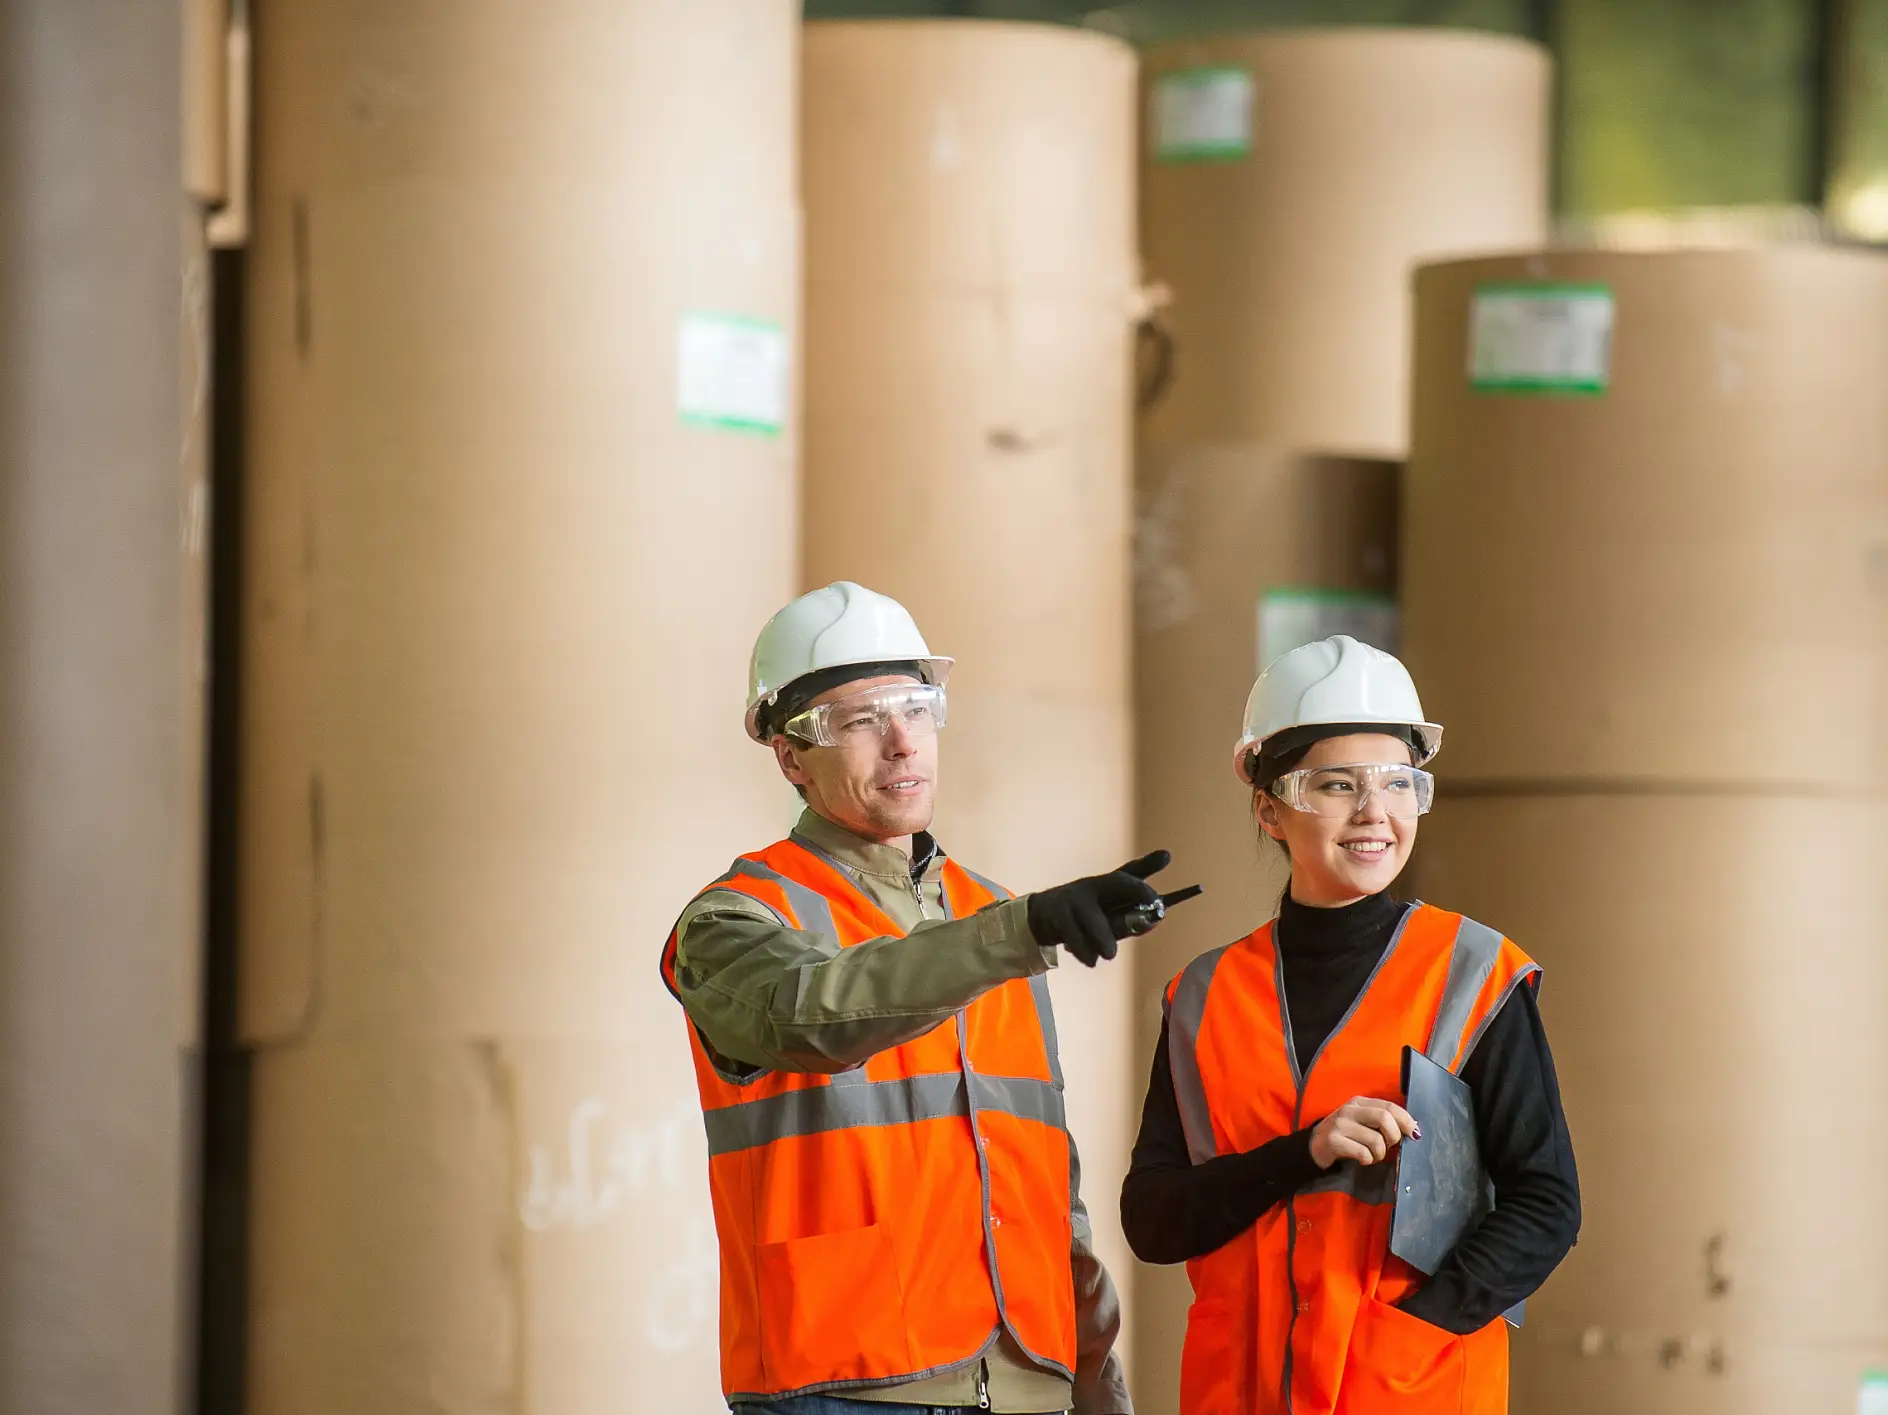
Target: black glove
x,y
1089,916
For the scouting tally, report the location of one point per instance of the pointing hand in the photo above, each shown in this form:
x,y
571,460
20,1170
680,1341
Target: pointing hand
x,y
1089,916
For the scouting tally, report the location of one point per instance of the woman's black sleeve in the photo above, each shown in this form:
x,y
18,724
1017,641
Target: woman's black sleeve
x,y
1173,1209
1529,1156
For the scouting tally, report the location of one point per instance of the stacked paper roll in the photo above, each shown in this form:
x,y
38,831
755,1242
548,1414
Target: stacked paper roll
x,y
1291,182
971,289
1644,573
522,488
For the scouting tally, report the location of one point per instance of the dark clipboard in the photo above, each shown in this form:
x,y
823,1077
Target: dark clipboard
x,y
1442,1191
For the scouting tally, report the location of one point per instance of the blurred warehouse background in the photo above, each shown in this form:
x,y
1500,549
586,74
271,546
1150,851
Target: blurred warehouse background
x,y
410,410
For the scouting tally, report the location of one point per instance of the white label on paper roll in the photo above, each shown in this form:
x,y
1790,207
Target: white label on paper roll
x,y
1873,1397
1291,618
1541,338
1203,115
733,372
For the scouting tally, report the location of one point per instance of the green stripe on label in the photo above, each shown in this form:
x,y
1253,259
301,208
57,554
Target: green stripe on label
x,y
1565,387
1543,289
729,424
1315,596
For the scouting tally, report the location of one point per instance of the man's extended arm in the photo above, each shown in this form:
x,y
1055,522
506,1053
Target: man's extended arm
x,y
767,997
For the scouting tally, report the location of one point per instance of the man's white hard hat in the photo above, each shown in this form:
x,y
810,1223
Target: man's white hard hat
x,y
1333,682
835,627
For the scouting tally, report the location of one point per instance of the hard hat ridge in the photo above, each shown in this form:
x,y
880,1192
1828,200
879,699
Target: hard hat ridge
x,y
1337,683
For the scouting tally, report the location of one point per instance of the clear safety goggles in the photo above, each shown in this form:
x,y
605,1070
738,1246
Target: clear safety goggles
x,y
1339,792
867,716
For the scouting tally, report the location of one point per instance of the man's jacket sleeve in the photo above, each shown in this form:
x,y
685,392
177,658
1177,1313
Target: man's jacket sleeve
x,y
766,997
1101,1387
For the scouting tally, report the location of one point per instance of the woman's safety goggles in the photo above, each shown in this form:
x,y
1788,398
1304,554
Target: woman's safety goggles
x,y
1339,792
867,716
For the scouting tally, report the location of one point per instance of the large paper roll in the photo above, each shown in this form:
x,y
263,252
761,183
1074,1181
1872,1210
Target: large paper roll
x,y
1645,526
459,1223
1291,183
970,255
522,489
1716,995
1646,530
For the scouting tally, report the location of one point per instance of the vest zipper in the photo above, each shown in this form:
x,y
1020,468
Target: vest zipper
x,y
983,1385
1291,1286
1302,1078
1291,1204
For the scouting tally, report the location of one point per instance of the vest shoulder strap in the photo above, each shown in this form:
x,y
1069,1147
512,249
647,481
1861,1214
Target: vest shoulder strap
x,y
990,886
1185,1006
1484,970
759,877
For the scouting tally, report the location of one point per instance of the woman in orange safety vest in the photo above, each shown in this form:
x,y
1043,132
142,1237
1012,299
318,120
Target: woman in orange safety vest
x,y
1273,1112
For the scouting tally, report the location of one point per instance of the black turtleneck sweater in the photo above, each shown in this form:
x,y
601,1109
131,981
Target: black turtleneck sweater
x,y
1173,1209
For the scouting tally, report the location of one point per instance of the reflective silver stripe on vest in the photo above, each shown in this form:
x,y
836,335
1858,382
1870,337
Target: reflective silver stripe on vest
x,y
1038,985
1532,970
809,906
1476,949
815,914
819,852
1184,1016
1366,1183
816,1110
850,1104
1021,1096
1045,1017
998,890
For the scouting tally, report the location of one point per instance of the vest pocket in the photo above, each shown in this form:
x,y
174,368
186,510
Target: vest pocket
x,y
1402,1364
1213,1375
831,1309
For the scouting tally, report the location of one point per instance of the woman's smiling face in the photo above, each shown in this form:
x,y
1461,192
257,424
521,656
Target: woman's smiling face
x,y
1338,859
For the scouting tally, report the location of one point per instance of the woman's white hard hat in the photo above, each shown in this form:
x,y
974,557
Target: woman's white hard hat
x,y
1332,682
834,627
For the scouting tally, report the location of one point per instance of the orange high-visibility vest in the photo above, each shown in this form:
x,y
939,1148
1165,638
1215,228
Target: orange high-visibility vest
x,y
1296,1316
885,1223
